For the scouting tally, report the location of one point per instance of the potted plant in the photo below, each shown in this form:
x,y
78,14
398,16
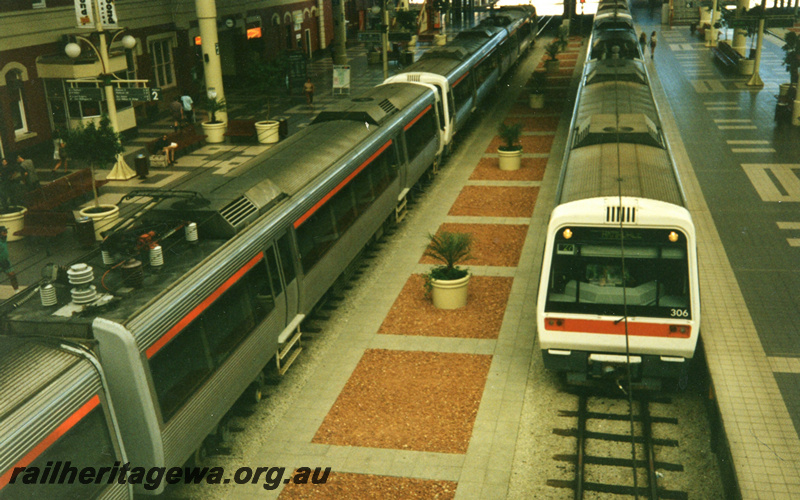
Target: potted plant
x,y
536,86
214,129
447,283
98,145
552,65
510,153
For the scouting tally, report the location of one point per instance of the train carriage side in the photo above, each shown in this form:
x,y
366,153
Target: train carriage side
x,y
56,423
619,195
181,346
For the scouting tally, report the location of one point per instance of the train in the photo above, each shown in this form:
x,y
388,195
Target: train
x,y
618,289
186,306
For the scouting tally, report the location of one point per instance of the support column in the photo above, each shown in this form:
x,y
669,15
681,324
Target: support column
x,y
711,39
739,42
755,80
339,32
212,68
321,18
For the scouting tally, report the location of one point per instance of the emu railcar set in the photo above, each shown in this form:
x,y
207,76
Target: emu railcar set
x,y
233,263
619,283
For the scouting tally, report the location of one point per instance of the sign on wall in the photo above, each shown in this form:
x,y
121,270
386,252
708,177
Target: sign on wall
x,y
84,13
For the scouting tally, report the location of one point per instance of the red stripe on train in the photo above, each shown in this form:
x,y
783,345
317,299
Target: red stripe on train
x,y
611,328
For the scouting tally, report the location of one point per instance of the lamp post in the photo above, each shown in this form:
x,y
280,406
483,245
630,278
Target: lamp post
x,y
73,50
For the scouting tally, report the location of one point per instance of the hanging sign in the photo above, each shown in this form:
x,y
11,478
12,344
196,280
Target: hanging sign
x,y
84,13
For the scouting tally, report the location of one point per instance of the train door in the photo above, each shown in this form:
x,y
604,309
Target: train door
x,y
278,294
286,262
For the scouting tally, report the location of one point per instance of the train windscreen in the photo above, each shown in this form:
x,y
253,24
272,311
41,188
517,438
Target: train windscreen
x,y
588,274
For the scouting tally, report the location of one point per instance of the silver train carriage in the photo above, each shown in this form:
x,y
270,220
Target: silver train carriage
x,y
56,422
467,68
181,341
620,260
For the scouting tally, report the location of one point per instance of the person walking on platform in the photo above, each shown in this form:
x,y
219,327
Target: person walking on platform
x,y
8,185
643,43
176,108
653,41
308,90
188,108
5,264
27,173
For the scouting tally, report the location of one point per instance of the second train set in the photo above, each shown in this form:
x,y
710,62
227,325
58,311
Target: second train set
x,y
619,282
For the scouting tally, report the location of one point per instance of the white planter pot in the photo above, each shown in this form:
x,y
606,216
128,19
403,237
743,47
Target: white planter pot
x,y
102,220
510,160
449,294
267,131
440,39
746,66
795,115
783,89
536,101
215,132
552,65
14,222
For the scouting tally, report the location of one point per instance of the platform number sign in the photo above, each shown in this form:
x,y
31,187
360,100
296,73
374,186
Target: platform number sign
x,y
155,94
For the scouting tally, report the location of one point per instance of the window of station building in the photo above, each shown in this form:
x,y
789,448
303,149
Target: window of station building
x,y
16,94
163,64
317,234
186,361
86,444
420,134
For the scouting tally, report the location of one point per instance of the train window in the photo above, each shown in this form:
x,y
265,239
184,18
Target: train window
x,y
462,93
287,258
420,134
87,444
315,236
588,275
343,206
484,69
180,367
184,363
365,193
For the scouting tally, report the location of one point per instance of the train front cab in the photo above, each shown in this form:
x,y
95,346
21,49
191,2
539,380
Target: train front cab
x,y
589,301
56,423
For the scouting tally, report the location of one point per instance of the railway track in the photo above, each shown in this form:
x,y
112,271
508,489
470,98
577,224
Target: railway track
x,y
605,462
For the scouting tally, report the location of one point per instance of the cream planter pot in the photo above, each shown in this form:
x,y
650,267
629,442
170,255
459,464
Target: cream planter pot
x,y
449,294
510,160
536,101
552,65
267,131
215,132
103,220
14,222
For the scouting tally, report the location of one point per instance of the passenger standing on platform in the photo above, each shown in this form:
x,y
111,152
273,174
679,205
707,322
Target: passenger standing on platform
x,y
60,154
643,43
308,90
653,40
27,173
5,264
176,108
188,108
8,189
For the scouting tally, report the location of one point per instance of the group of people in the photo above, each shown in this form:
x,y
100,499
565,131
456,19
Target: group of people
x,y
15,179
643,43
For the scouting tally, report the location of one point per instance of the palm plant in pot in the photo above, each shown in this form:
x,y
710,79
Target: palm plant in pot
x,y
536,86
214,129
510,153
552,49
447,283
98,145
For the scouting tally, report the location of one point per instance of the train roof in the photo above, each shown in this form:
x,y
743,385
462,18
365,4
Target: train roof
x,y
614,169
615,70
274,186
620,44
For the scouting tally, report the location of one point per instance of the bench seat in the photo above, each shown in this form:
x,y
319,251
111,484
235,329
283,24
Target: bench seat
x,y
725,55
